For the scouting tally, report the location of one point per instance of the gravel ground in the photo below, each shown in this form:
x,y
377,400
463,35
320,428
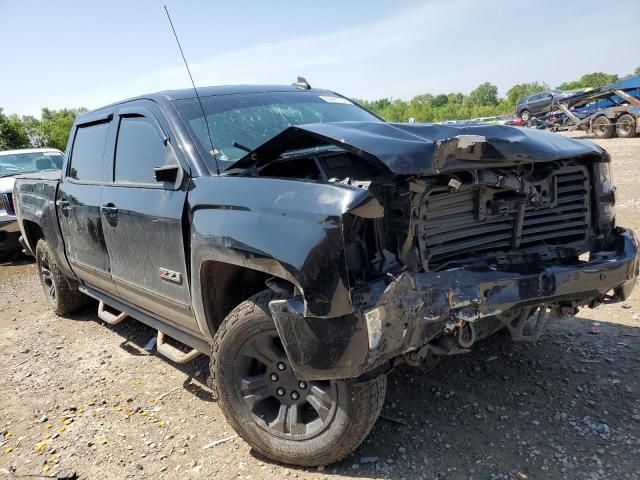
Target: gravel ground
x,y
77,395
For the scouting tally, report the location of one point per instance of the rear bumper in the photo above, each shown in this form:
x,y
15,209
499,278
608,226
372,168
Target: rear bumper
x,y
415,307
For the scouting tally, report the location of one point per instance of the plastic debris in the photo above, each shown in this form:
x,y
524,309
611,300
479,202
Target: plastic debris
x,y
218,442
167,393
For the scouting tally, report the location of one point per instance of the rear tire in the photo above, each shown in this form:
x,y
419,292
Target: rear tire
x,y
61,292
602,127
626,126
304,423
525,115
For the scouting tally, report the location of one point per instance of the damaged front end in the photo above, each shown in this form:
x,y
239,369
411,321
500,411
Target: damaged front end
x,y
484,228
444,313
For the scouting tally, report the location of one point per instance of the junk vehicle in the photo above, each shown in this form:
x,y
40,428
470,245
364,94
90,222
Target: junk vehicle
x,y
308,247
12,163
539,103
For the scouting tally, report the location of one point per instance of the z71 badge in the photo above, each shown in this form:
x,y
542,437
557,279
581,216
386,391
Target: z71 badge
x,y
170,275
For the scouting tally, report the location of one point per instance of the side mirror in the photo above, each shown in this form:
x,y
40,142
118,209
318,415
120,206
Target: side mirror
x,y
166,173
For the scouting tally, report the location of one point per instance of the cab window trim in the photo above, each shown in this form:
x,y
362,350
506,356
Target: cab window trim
x,y
148,116
89,122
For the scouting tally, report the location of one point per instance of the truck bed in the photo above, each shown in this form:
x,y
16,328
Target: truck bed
x,y
35,200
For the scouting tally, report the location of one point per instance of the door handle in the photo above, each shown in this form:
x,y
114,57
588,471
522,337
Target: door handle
x,y
63,204
109,209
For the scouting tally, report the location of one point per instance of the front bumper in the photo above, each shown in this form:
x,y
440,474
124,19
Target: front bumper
x,y
9,233
415,307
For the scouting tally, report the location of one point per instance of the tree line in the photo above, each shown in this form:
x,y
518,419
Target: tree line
x,y
480,102
50,130
53,127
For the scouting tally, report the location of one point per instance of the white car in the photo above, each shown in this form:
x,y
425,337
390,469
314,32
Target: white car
x,y
17,162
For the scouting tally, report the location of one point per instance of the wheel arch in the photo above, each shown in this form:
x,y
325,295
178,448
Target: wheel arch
x,y
224,286
32,233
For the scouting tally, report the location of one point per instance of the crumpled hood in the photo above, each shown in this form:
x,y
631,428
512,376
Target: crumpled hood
x,y
415,148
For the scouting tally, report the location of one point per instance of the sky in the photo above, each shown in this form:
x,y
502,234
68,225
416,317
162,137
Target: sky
x,y
70,54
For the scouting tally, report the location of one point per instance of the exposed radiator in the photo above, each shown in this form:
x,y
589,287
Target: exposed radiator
x,y
480,220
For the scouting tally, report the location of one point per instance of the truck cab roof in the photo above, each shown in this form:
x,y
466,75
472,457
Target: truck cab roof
x,y
167,96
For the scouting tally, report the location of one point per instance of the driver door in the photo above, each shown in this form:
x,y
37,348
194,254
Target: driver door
x,y
142,218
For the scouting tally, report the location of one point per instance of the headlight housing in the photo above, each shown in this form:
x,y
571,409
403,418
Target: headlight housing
x,y
605,195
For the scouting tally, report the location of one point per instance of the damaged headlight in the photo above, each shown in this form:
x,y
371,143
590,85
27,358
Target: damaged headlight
x,y
606,197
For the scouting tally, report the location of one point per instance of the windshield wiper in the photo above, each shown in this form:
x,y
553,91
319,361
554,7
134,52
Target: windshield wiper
x,y
242,147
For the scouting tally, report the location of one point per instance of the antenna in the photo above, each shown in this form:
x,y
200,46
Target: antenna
x,y
204,115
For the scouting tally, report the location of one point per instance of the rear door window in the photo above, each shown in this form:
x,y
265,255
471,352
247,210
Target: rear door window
x,y
87,154
139,148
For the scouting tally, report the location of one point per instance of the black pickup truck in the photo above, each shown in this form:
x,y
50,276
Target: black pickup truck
x,y
308,247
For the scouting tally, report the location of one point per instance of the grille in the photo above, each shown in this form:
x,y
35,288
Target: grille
x,y
454,227
8,203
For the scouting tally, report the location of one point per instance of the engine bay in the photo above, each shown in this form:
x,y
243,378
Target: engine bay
x,y
516,217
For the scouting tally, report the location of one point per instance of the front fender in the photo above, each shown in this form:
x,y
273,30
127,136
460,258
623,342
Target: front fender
x,y
287,228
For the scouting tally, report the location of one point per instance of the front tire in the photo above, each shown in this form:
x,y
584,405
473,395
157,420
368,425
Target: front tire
x,y
61,292
305,423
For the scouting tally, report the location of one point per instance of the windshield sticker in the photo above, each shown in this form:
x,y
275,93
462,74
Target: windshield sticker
x,y
329,99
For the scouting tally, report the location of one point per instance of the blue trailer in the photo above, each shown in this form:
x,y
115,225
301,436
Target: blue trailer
x,y
606,111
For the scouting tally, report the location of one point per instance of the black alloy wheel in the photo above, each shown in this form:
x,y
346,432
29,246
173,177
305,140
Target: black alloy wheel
x,y
277,400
